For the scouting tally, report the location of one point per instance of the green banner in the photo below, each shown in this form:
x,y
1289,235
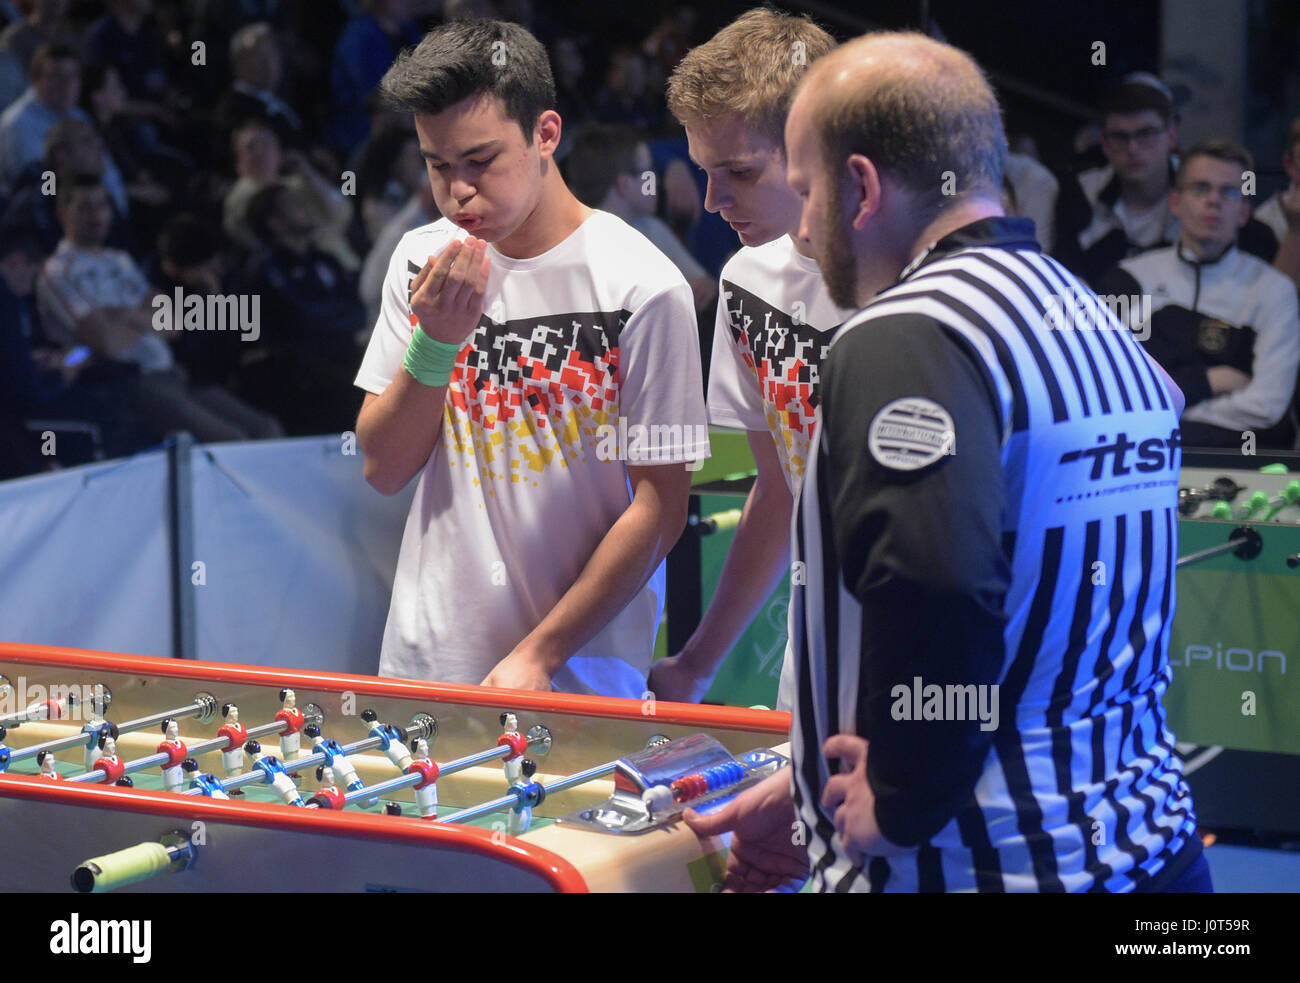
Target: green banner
x,y
1235,642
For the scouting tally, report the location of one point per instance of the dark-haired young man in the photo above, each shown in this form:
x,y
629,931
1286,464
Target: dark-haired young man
x,y
1106,214
535,362
1224,324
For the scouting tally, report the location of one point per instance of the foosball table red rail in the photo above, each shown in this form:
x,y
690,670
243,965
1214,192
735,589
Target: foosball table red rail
x,y
51,826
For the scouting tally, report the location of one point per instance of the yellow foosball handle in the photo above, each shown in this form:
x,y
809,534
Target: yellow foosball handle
x,y
134,864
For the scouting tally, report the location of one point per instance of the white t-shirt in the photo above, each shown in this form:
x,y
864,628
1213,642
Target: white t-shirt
x,y
775,323
76,282
583,352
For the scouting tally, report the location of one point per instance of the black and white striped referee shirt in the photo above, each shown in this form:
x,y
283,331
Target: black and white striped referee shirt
x,y
988,535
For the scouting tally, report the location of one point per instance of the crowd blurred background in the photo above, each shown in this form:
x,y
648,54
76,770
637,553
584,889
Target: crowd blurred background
x,y
235,149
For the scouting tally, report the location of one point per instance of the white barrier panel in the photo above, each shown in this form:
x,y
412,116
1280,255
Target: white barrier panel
x,y
84,558
297,554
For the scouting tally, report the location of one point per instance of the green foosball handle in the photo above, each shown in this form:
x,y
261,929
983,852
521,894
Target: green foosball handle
x,y
726,521
134,864
1258,500
1290,494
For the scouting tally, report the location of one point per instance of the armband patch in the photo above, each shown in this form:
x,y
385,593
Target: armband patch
x,y
911,433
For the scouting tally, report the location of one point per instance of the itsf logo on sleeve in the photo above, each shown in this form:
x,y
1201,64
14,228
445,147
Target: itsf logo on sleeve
x,y
102,936
911,433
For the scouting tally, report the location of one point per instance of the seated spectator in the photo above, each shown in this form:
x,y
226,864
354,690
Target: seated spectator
x,y
1224,325
97,297
365,50
125,39
609,168
313,319
259,162
257,68
1106,214
51,383
56,84
191,257
153,170
72,147
43,22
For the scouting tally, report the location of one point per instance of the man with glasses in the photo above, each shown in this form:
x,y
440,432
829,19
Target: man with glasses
x,y
1106,214
1224,325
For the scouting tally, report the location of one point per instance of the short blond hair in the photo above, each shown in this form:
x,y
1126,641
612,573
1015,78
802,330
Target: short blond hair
x,y
750,69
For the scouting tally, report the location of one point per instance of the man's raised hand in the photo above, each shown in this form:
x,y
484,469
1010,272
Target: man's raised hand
x,y
447,294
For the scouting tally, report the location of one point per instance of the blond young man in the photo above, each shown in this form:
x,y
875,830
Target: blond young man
x,y
775,319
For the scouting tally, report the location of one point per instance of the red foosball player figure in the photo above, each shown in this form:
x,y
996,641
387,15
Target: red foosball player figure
x,y
291,739
329,795
45,761
176,751
426,793
232,759
109,763
518,746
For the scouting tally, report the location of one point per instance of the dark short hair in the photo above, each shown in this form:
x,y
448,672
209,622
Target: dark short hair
x,y
600,153
466,57
186,241
1131,98
1228,151
49,52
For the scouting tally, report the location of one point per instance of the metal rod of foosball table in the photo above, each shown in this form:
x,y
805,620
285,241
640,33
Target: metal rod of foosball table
x,y
510,798
197,708
79,739
213,744
414,778
311,761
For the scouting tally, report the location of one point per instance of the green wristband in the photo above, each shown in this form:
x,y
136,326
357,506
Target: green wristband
x,y
430,362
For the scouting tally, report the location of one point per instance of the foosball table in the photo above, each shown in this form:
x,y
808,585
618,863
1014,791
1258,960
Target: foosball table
x,y
134,773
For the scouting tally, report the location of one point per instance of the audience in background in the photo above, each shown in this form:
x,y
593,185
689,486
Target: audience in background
x,y
365,49
1225,325
258,70
44,22
72,148
312,317
55,86
261,161
609,167
283,112
1108,213
95,296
